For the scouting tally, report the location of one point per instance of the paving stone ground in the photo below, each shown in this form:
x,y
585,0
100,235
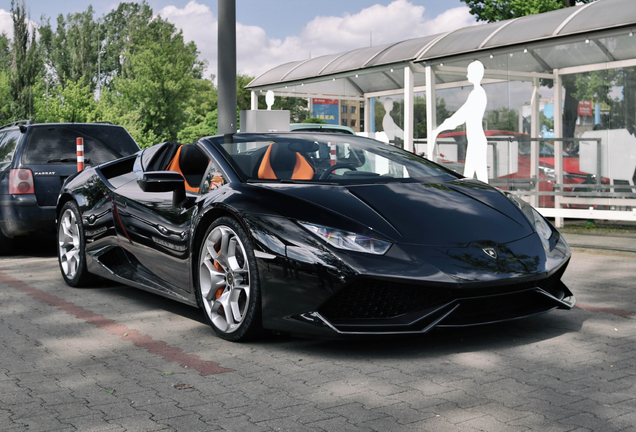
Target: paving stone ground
x,y
112,358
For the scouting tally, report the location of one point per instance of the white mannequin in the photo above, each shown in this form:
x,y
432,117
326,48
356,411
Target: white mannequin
x,y
390,128
269,99
472,113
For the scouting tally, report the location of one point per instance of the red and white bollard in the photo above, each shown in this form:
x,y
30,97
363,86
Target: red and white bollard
x,y
332,153
80,154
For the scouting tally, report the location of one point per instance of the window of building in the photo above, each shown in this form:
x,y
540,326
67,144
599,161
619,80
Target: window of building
x,y
343,109
353,110
343,122
353,123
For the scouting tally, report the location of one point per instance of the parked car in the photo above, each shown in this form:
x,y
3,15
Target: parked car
x,y
35,159
547,175
315,127
323,234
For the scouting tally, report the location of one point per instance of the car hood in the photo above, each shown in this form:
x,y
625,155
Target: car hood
x,y
451,214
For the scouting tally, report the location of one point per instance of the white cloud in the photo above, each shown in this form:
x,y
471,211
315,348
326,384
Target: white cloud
x,y
257,53
6,23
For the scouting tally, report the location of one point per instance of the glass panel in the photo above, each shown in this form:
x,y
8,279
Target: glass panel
x,y
531,27
462,40
309,69
354,59
606,128
102,143
574,54
602,15
622,47
405,50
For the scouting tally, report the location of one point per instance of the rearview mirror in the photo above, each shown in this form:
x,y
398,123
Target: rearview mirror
x,y
164,181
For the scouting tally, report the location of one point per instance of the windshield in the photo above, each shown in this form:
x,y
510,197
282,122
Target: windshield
x,y
57,143
328,158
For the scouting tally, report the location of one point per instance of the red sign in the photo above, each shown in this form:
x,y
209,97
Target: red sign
x,y
585,109
325,101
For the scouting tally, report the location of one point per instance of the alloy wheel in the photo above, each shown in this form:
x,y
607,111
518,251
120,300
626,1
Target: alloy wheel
x,y
224,278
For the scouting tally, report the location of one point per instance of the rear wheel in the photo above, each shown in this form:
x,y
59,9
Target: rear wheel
x,y
228,284
71,250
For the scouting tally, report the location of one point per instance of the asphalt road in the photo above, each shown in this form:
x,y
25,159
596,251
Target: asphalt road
x,y
113,358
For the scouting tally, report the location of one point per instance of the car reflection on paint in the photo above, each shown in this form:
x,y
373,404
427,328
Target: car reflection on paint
x,y
314,233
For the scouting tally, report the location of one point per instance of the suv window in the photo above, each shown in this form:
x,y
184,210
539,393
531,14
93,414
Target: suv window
x,y
8,142
57,144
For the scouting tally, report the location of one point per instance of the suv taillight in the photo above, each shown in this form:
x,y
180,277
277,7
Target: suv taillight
x,y
21,182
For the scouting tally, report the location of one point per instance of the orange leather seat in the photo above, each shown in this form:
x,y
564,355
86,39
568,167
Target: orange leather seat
x,y
191,163
280,162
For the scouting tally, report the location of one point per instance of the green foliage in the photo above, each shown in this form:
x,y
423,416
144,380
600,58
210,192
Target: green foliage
x,y
72,50
5,97
207,127
499,10
243,96
504,119
75,103
5,52
314,120
158,81
26,64
122,33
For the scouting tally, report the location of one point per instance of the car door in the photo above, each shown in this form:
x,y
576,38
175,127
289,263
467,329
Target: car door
x,y
158,233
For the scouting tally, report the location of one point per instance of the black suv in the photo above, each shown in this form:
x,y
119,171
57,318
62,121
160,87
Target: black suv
x,y
35,159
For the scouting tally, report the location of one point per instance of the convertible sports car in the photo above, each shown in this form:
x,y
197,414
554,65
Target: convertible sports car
x,y
313,233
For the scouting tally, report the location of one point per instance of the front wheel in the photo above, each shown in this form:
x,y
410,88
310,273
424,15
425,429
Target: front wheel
x,y
228,284
71,250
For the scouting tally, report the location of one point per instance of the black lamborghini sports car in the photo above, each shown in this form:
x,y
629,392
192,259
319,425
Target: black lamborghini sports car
x,y
323,234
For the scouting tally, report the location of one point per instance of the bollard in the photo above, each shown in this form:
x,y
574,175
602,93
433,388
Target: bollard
x,y
332,154
80,154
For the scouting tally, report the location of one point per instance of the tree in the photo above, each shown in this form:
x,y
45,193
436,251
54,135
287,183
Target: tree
x,y
26,64
5,86
5,52
75,102
157,82
499,10
314,120
72,51
122,32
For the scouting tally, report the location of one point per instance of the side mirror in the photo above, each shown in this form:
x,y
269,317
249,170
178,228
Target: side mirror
x,y
164,181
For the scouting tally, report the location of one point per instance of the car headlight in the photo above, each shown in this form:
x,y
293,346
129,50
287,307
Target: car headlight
x,y
348,240
540,224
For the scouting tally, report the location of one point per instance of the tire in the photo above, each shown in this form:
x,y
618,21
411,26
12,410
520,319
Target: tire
x,y
6,244
71,247
228,284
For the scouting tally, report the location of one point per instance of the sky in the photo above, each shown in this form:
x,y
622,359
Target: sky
x,y
270,33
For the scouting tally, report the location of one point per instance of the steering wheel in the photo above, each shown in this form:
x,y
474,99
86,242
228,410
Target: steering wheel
x,y
331,169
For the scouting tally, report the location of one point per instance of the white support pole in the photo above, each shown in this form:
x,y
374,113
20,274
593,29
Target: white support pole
x,y
534,145
254,101
408,109
431,111
367,114
558,144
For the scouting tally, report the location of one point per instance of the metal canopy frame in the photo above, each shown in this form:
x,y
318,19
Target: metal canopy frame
x,y
439,62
